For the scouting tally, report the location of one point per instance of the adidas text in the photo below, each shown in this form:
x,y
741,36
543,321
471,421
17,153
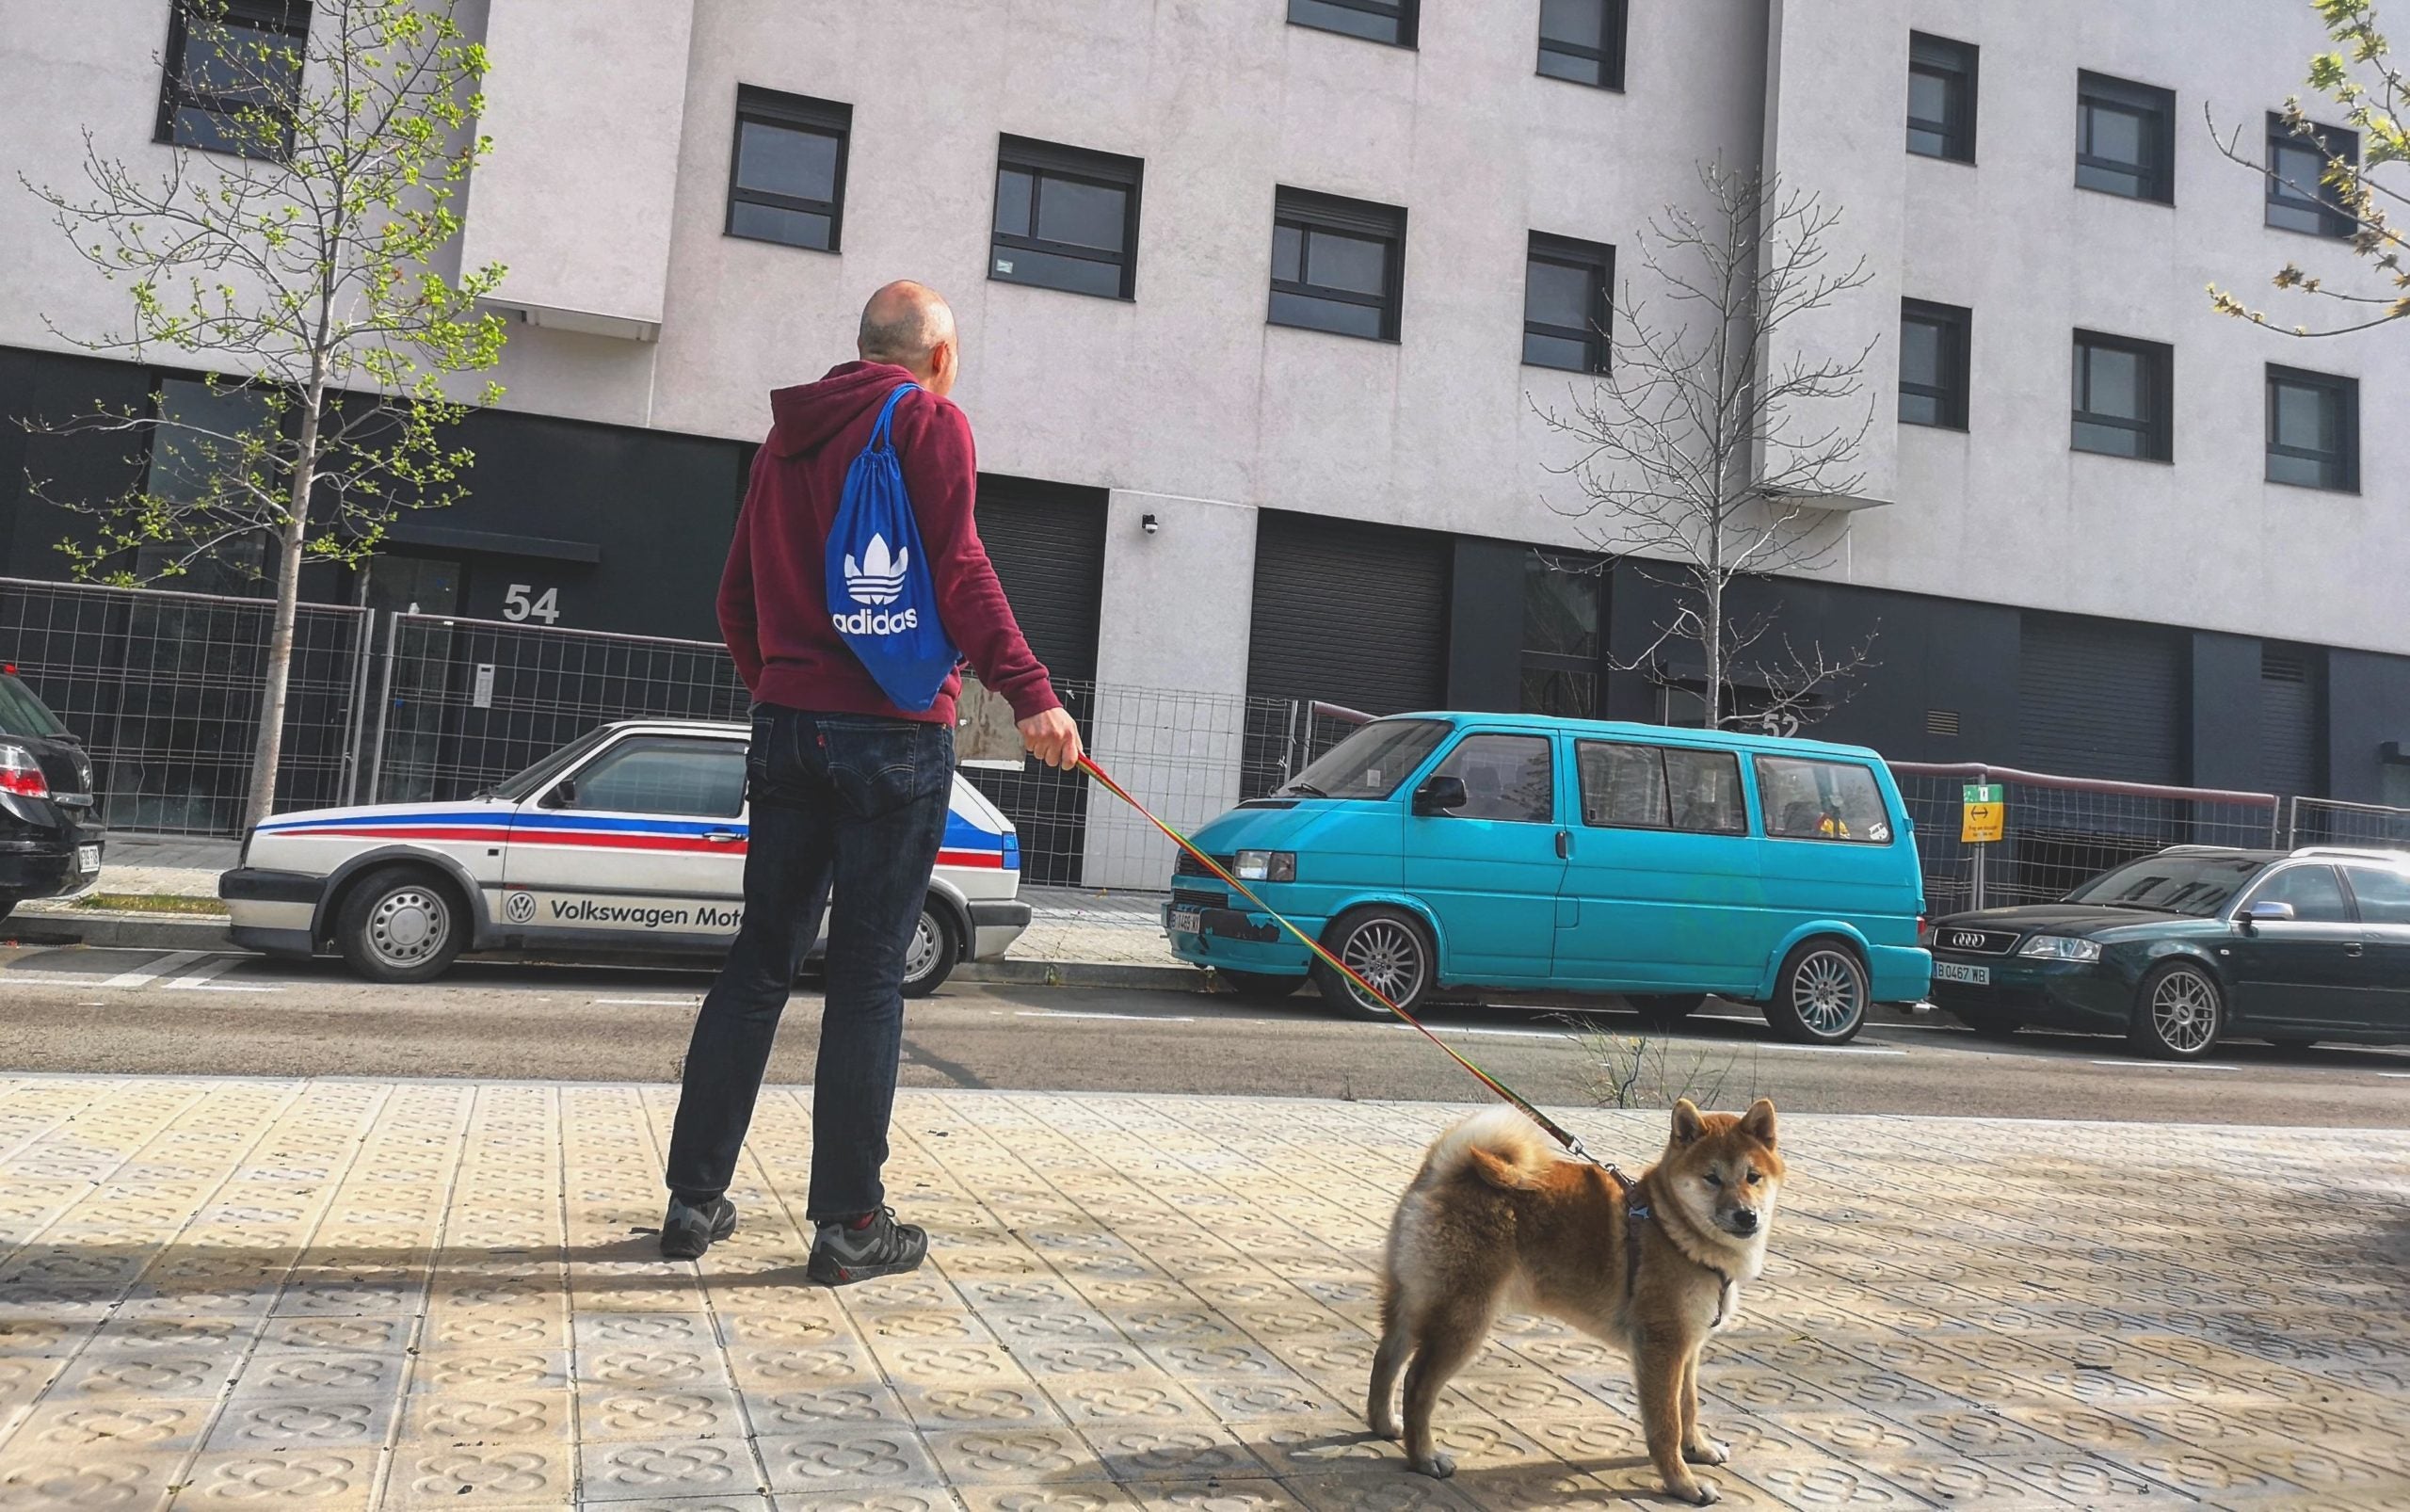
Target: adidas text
x,y
882,622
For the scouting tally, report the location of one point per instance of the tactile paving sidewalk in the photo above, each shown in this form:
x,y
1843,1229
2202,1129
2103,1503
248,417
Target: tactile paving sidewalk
x,y
349,1294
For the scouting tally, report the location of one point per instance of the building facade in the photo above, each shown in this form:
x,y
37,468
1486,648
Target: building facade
x,y
1263,303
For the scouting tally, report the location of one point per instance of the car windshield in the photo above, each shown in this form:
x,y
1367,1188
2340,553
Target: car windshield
x,y
2198,886
22,714
1371,763
524,784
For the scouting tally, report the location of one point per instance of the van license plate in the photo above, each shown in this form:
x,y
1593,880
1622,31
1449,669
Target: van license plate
x,y
88,859
1187,922
1945,971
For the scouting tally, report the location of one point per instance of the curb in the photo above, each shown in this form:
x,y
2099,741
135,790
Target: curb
x,y
124,931
1081,973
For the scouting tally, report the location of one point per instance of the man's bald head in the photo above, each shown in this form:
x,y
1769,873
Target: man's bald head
x,y
903,323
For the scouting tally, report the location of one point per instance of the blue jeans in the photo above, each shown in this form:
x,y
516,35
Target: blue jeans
x,y
845,801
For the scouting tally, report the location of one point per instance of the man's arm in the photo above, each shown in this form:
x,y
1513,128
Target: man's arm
x,y
739,622
940,470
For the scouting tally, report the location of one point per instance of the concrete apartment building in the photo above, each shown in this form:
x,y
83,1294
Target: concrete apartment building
x,y
1258,297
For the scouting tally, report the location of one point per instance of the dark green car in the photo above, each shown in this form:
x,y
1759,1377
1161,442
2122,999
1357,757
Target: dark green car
x,y
2194,945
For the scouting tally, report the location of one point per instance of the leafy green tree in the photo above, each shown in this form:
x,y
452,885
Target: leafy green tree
x,y
2360,78
302,252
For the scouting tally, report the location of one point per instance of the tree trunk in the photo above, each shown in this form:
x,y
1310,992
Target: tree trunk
x,y
1711,643
267,753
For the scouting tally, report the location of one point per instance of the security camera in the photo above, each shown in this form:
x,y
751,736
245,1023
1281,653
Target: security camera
x,y
1151,524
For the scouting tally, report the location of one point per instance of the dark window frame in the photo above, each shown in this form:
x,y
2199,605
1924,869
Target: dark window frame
x,y
289,17
1571,663
1044,160
1957,65
1956,324
1596,261
1761,763
1736,825
1608,53
1307,211
1470,738
779,110
2156,428
2345,394
2315,198
1406,14
2155,108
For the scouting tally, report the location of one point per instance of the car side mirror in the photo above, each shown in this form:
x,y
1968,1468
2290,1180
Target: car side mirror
x,y
2266,910
1440,796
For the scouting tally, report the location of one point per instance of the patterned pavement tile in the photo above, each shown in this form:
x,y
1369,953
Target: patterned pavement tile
x,y
340,1294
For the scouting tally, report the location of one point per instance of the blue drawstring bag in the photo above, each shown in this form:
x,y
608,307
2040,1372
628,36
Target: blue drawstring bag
x,y
881,597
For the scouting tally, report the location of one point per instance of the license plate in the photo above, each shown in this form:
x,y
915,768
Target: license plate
x,y
1945,971
1187,922
88,859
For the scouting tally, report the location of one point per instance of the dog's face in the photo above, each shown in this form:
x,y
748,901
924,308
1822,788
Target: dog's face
x,y
1723,1168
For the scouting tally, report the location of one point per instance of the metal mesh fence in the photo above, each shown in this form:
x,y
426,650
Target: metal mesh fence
x,y
2061,830
164,689
466,702
2331,822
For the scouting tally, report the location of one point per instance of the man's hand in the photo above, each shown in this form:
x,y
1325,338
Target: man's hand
x,y
1053,738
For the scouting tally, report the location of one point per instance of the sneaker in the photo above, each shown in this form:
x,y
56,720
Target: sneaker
x,y
687,1231
842,1254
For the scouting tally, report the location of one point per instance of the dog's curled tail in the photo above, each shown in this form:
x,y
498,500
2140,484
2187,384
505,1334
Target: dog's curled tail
x,y
1499,1146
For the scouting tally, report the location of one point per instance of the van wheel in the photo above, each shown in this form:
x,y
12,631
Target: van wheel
x,y
928,960
1664,1009
1387,947
401,925
1262,986
1820,997
2179,1012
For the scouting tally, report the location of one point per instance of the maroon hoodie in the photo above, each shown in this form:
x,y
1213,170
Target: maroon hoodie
x,y
774,600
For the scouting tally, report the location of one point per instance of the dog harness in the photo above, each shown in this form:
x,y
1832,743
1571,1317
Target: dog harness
x,y
1637,1211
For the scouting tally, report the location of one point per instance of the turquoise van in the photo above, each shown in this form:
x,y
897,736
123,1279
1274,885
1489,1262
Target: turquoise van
x,y
1436,853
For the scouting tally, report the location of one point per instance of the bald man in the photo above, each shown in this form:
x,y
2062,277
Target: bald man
x,y
846,789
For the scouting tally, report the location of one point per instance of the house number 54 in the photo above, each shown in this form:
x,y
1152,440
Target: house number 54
x,y
516,605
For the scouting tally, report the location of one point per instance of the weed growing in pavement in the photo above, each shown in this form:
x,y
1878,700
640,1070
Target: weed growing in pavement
x,y
1643,1071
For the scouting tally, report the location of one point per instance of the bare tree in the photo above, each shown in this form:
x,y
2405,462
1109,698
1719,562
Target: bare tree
x,y
2342,188
1714,447
299,259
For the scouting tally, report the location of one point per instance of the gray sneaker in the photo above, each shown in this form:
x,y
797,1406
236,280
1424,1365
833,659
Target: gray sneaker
x,y
687,1231
842,1254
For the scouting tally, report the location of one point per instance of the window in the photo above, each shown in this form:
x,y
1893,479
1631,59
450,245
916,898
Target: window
x,y
1941,98
1932,363
1336,265
1565,303
2124,139
662,773
2316,895
1375,20
787,183
1066,218
2298,197
1371,763
1582,40
1560,636
1507,777
233,74
2384,894
1650,787
1822,800
2122,396
2313,430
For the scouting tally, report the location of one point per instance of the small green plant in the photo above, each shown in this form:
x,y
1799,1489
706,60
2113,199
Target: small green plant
x,y
1641,1071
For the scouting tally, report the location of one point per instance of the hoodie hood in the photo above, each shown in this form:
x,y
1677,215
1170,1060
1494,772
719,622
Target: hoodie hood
x,y
805,417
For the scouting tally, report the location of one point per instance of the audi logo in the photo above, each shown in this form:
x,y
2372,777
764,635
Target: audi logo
x,y
1966,939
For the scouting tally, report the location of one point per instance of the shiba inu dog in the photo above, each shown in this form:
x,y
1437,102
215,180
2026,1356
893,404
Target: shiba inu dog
x,y
1496,1222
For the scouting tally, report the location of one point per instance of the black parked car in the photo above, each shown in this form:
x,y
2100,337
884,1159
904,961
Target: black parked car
x,y
49,846
2180,950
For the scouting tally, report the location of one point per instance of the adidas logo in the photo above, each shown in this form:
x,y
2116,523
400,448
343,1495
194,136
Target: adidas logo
x,y
877,578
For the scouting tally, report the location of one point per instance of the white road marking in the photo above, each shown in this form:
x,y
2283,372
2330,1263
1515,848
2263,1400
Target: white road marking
x,y
2165,1066
2401,1075
1066,1013
1503,1033
652,1003
198,978
1830,1050
145,975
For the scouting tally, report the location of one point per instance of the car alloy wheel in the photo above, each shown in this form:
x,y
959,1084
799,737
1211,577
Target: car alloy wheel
x,y
929,957
1822,996
401,926
2182,1014
409,927
1388,950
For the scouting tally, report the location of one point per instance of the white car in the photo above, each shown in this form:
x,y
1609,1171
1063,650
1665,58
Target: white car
x,y
629,840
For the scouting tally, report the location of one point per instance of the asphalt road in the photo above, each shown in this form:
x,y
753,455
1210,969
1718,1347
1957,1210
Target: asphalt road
x,y
142,1011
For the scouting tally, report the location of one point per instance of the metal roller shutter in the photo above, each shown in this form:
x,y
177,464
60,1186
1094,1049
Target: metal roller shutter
x,y
2289,721
2101,698
1048,544
1352,613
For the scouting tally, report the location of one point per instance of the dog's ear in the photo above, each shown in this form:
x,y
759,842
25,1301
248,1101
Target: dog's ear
x,y
1757,1123
1688,1125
